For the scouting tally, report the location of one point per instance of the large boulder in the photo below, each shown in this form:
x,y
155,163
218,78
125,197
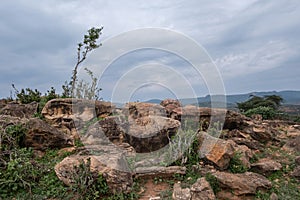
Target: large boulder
x,y
105,160
42,136
215,150
150,133
247,183
137,110
170,105
71,115
20,110
201,190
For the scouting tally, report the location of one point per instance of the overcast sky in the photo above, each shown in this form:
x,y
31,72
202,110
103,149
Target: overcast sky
x,y
255,44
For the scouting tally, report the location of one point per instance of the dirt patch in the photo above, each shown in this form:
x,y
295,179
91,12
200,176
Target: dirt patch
x,y
152,189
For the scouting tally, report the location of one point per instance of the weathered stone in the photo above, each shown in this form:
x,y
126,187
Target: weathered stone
x,y
42,136
20,110
250,143
293,144
170,105
245,154
266,166
150,133
137,110
242,184
215,150
71,115
106,161
234,120
201,190
260,133
181,194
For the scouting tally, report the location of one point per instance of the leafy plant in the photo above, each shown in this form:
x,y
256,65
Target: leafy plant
x,y
213,181
265,112
27,95
236,165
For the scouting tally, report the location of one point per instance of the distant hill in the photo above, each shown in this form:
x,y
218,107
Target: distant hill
x,y
290,98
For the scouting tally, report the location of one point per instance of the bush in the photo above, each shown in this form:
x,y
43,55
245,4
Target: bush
x,y
265,112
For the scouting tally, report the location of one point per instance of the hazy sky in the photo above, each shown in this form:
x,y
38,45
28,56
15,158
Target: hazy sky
x,y
255,44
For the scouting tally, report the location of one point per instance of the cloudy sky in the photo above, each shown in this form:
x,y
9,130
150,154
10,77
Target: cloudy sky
x,y
254,44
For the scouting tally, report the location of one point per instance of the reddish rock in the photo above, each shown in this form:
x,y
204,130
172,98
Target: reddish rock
x,y
247,183
201,190
215,150
266,166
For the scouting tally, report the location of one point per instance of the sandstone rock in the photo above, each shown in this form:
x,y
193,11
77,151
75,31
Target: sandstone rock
x,y
293,144
201,190
106,161
170,105
245,154
150,133
215,150
227,195
20,110
180,194
8,120
234,120
260,133
70,115
137,110
266,166
242,184
250,143
42,136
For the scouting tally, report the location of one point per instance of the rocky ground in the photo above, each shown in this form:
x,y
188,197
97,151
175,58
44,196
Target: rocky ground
x,y
213,153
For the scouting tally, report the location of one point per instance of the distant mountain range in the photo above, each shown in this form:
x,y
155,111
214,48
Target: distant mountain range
x,y
289,97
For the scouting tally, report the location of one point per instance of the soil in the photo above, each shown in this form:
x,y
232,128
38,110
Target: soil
x,y
152,189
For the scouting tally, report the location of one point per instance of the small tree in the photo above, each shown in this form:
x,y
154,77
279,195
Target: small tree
x,y
266,106
89,43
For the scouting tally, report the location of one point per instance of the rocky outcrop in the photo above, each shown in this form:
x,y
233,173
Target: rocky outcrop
x,y
170,105
108,162
215,150
247,183
201,190
137,110
42,136
70,115
151,133
20,110
266,166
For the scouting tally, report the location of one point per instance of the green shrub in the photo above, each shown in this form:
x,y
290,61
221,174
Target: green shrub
x,y
236,165
265,112
213,181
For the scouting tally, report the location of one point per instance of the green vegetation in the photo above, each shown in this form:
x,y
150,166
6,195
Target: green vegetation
x,y
236,165
266,106
83,90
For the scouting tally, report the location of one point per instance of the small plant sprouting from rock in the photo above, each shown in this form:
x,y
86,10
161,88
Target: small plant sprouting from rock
x,y
236,165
